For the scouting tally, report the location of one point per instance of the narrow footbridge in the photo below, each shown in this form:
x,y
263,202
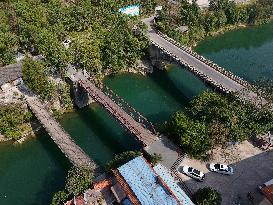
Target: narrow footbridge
x,y
66,144
135,124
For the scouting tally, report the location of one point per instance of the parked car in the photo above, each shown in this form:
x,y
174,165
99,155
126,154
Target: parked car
x,y
193,173
221,168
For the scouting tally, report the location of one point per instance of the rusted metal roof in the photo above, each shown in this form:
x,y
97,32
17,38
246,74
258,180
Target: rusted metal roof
x,y
268,192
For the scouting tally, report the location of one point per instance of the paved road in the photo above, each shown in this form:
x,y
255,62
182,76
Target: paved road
x,y
248,174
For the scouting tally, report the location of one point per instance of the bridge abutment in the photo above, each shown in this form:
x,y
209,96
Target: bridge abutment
x,y
80,96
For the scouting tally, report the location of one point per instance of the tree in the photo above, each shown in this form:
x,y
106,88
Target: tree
x,y
35,77
190,13
218,5
13,117
121,159
191,136
52,49
59,198
153,158
86,51
210,22
78,180
232,13
207,196
238,120
8,41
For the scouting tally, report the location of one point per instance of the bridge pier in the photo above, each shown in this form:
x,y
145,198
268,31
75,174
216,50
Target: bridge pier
x,y
158,58
80,96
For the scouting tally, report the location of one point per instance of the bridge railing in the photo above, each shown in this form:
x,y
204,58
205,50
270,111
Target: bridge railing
x,y
137,116
129,109
195,71
218,68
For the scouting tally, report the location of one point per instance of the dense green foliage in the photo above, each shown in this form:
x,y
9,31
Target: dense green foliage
x,y
78,180
35,77
220,14
13,117
59,198
8,40
153,158
191,135
122,158
213,119
207,196
102,38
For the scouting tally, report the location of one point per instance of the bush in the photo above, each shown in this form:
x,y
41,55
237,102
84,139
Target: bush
x,y
35,77
121,159
207,196
190,135
78,180
153,158
59,198
213,119
13,117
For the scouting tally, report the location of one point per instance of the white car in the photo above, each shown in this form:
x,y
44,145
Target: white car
x,y
193,173
221,168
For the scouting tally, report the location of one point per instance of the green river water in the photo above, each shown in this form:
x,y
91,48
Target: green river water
x,y
32,171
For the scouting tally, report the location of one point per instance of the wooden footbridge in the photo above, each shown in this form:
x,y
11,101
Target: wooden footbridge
x,y
66,144
144,132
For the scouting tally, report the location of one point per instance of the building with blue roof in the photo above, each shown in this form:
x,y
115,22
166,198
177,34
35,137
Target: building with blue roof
x,y
145,185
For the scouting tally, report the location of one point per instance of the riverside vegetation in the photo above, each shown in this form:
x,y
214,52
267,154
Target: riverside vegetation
x,y
77,181
102,41
216,120
221,15
13,120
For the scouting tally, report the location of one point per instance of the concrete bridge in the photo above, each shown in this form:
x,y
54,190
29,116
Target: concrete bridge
x,y
66,144
139,127
203,68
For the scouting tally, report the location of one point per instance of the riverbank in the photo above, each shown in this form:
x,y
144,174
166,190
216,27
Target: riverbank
x,y
219,32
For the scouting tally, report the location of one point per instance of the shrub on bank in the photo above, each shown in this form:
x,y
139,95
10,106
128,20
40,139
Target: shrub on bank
x,y
207,196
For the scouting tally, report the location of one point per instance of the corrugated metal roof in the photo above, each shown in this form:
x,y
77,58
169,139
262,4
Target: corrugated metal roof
x,y
144,183
176,190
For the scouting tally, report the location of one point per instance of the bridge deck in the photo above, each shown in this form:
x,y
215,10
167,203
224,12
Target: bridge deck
x,y
145,136
218,77
203,68
71,150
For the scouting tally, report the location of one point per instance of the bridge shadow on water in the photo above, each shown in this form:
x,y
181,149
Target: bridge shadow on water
x,y
162,79
106,133
55,176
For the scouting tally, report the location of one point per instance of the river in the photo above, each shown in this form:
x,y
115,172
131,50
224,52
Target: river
x,y
32,171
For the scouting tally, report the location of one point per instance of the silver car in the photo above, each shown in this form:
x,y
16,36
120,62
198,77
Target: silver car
x,y
221,168
193,173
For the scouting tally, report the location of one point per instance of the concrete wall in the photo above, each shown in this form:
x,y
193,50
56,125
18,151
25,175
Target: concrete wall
x,y
79,94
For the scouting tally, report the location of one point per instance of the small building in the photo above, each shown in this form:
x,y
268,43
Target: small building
x,y
10,75
158,9
133,10
139,183
66,43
